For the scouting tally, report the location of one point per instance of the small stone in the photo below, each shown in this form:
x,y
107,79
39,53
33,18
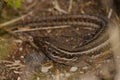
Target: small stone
x,y
81,72
18,41
118,57
67,74
18,78
45,69
61,74
85,67
38,78
34,59
22,57
20,49
48,31
77,29
73,69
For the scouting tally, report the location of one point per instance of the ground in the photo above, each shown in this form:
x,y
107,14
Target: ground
x,y
20,60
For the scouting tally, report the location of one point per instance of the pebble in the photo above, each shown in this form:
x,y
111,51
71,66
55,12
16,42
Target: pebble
x,y
85,67
45,69
73,69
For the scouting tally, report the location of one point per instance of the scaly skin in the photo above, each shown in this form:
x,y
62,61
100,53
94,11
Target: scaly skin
x,y
93,46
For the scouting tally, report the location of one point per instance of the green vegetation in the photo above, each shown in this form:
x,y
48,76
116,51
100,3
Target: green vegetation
x,y
14,3
5,48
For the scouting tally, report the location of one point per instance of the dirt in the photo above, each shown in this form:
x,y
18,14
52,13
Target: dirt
x,y
24,62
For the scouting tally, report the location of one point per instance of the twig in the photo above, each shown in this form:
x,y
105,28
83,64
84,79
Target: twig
x,y
15,20
57,7
110,13
70,6
42,28
32,5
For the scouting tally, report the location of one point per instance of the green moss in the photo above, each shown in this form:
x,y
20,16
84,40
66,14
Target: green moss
x,y
14,3
5,48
